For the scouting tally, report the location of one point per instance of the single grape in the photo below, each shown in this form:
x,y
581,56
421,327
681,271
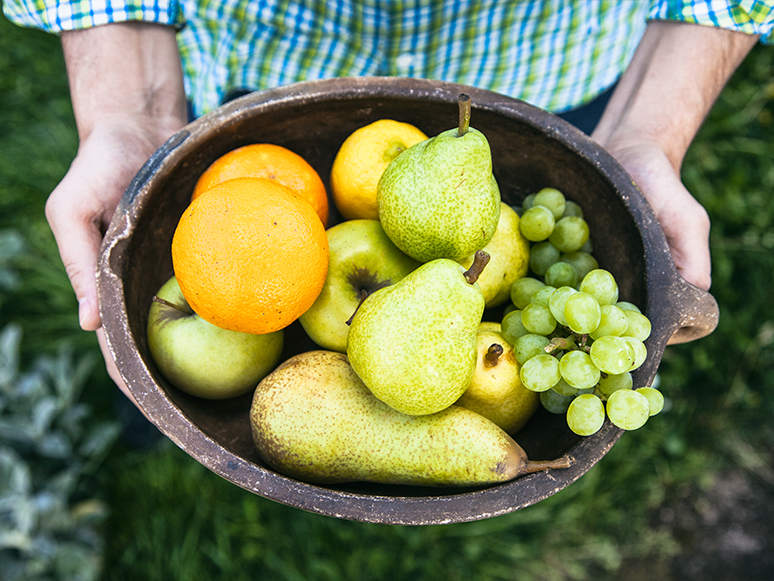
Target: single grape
x,y
612,354
537,223
572,209
541,256
627,306
523,289
540,373
537,319
586,414
602,285
552,199
582,261
569,234
528,202
528,346
613,382
628,409
558,301
561,274
639,325
639,349
511,326
542,295
555,403
582,312
613,321
508,308
578,370
655,399
564,388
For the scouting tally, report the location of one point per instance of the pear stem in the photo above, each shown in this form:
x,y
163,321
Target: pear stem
x,y
464,104
540,465
492,356
363,295
165,302
480,260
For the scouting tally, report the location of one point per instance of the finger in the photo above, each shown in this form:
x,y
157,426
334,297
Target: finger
x,y
78,238
687,227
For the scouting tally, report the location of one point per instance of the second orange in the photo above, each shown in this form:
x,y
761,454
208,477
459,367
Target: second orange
x,y
274,162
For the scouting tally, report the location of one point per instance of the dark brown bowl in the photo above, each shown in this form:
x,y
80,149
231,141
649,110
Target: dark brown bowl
x,y
531,149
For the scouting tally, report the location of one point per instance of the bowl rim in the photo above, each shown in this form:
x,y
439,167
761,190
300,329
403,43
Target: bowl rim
x,y
409,510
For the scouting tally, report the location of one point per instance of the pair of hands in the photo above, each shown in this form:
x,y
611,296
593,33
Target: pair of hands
x,y
126,108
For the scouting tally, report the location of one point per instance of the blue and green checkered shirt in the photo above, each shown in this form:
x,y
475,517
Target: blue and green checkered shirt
x,y
556,54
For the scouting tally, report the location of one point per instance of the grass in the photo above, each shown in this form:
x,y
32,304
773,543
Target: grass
x,y
173,519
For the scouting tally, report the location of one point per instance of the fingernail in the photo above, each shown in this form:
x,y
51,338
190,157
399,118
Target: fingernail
x,y
84,311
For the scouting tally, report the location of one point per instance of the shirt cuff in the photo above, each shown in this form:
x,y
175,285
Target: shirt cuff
x,y
57,16
748,16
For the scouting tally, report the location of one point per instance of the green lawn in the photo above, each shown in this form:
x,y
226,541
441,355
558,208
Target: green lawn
x,y
688,486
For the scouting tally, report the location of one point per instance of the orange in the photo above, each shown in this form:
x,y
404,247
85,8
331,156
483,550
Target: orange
x,y
362,159
250,255
274,162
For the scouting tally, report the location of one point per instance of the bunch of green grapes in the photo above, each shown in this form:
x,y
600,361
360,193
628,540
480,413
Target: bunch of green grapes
x,y
577,344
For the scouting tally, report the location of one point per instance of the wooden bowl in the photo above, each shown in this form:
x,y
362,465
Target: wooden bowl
x,y
531,149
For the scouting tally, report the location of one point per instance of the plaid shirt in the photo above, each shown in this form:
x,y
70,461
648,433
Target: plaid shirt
x,y
556,54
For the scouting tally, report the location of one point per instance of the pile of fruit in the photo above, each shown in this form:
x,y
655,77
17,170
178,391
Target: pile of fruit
x,y
410,383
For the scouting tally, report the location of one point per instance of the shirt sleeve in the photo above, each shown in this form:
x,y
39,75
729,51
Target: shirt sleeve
x,y
748,16
59,15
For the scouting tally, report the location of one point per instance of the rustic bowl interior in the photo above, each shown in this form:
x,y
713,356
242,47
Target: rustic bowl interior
x,y
531,149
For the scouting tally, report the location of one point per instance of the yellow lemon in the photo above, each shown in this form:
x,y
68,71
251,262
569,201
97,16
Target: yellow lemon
x,y
361,161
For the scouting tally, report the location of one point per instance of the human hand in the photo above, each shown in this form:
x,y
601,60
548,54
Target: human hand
x,y
80,208
685,222
126,85
653,115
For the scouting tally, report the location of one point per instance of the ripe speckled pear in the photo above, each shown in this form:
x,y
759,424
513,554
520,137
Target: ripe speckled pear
x,y
496,391
414,343
439,198
510,259
313,419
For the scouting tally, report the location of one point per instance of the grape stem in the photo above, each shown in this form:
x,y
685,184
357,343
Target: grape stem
x,y
559,344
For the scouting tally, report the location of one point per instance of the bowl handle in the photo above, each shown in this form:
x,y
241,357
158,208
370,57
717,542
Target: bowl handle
x,y
696,311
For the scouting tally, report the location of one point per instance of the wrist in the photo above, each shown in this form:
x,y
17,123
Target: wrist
x,y
125,73
670,86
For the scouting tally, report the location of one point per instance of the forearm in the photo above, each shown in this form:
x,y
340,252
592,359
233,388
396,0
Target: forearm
x,y
672,83
125,71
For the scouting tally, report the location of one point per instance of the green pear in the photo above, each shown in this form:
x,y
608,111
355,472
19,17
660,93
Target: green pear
x,y
495,391
414,343
312,419
510,259
362,259
439,199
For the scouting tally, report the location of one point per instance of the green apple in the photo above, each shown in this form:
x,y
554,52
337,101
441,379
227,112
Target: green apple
x,y
362,259
509,259
202,359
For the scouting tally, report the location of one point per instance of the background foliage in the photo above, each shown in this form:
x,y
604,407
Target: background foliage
x,y
687,497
